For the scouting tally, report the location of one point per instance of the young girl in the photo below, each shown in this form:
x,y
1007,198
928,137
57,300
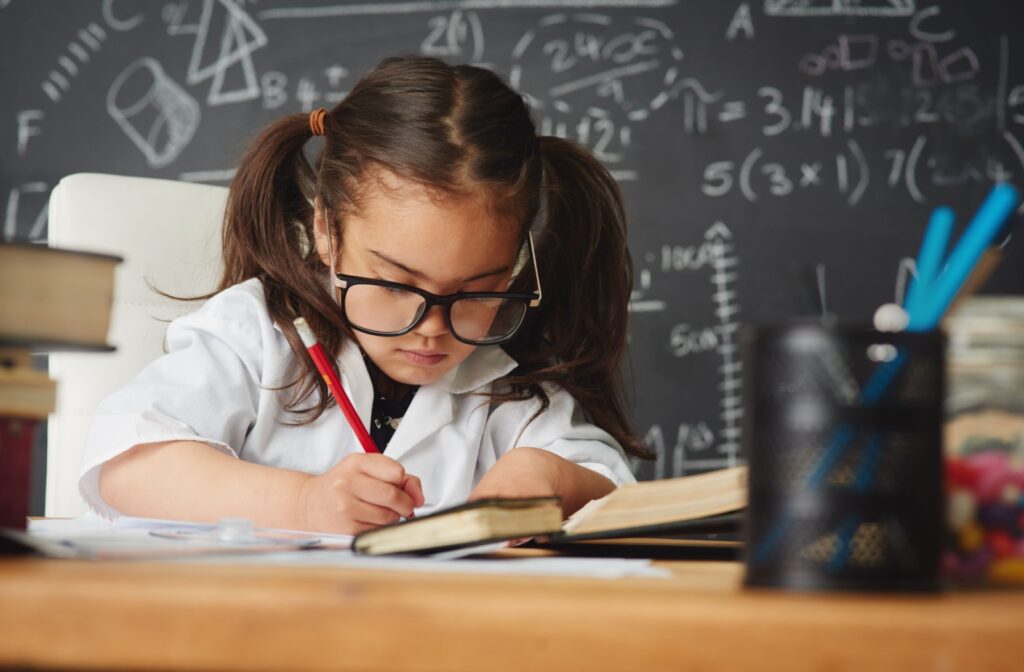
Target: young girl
x,y
469,278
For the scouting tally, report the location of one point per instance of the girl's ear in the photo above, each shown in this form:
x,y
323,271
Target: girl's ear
x,y
320,233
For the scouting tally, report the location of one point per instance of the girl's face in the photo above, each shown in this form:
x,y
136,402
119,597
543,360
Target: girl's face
x,y
402,235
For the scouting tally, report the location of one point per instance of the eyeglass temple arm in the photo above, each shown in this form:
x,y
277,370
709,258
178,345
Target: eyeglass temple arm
x,y
338,282
536,274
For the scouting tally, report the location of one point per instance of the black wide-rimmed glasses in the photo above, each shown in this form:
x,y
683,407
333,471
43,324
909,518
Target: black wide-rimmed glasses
x,y
385,308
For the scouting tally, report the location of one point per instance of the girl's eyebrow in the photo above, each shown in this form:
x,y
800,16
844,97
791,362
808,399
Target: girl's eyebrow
x,y
420,275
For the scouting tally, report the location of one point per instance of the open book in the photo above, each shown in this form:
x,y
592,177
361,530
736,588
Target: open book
x,y
649,508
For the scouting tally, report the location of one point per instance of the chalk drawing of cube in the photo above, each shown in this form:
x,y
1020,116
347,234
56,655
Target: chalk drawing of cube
x,y
156,114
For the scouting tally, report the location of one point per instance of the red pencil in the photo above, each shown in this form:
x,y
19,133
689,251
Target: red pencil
x,y
316,351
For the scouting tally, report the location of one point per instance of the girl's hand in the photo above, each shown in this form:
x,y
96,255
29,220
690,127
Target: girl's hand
x,y
361,492
522,472
533,472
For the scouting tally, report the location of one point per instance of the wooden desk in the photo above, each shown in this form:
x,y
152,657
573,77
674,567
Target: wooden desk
x,y
69,613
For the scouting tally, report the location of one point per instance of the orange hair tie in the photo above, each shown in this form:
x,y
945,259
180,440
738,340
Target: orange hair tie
x,y
316,121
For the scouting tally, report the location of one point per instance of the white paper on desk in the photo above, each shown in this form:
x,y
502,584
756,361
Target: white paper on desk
x,y
91,531
92,534
595,568
89,522
95,535
132,538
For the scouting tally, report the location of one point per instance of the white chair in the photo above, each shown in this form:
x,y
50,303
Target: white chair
x,y
169,236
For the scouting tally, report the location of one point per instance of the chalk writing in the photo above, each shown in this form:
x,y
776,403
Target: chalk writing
x,y
457,34
58,80
808,8
37,193
597,64
755,176
121,25
28,128
691,439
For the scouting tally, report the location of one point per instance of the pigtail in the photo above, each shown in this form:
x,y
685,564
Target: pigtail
x,y
265,194
577,338
268,233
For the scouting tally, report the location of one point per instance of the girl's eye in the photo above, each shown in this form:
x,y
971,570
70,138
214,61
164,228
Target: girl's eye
x,y
392,291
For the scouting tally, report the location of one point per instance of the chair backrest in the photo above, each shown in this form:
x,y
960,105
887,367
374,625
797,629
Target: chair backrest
x,y
169,236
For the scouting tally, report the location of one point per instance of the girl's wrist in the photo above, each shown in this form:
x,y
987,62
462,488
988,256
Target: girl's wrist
x,y
555,470
300,512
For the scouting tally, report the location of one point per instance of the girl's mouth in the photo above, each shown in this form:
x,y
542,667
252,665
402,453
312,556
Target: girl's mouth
x,y
423,357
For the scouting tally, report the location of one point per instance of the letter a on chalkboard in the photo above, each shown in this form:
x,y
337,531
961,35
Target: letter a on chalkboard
x,y
741,20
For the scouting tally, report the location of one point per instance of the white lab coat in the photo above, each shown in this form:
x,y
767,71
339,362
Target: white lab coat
x,y
215,385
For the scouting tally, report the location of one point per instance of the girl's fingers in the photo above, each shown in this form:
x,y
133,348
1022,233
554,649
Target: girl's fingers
x,y
371,514
382,468
385,495
412,487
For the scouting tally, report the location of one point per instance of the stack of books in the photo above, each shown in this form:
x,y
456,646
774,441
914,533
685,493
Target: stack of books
x,y
50,299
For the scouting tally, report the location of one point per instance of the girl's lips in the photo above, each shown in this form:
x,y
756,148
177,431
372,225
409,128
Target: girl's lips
x,y
423,358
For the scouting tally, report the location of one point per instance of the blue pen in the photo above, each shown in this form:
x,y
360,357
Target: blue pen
x,y
929,259
983,229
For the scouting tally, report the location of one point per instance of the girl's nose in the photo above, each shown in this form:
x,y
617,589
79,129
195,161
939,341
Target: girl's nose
x,y
433,324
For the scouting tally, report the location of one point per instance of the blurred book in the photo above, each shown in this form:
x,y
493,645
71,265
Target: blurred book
x,y
50,299
24,392
54,299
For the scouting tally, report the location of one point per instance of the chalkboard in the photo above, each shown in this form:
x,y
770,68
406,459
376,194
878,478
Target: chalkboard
x,y
779,157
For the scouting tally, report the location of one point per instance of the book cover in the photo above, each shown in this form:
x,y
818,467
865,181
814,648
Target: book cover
x,y
477,522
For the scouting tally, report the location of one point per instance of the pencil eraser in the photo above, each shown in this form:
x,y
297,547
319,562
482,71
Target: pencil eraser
x,y
890,317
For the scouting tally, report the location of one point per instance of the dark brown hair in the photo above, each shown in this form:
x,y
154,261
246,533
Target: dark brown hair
x,y
457,130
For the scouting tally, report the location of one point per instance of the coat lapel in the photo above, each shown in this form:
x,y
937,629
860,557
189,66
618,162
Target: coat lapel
x,y
433,406
430,410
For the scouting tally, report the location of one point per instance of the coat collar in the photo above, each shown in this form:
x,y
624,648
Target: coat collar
x,y
484,366
432,406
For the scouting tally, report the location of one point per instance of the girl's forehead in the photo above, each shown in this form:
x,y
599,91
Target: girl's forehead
x,y
446,237
381,189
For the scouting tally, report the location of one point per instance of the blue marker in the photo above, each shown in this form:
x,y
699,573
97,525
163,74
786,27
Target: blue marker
x,y
929,259
980,234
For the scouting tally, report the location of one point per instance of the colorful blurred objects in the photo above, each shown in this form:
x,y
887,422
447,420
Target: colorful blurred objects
x,y
985,510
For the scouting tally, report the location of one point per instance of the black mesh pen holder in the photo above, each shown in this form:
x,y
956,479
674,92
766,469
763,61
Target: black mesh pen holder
x,y
843,438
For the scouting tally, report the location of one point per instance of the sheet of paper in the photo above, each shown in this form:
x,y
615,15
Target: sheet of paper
x,y
91,523
146,538
595,568
132,538
61,526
